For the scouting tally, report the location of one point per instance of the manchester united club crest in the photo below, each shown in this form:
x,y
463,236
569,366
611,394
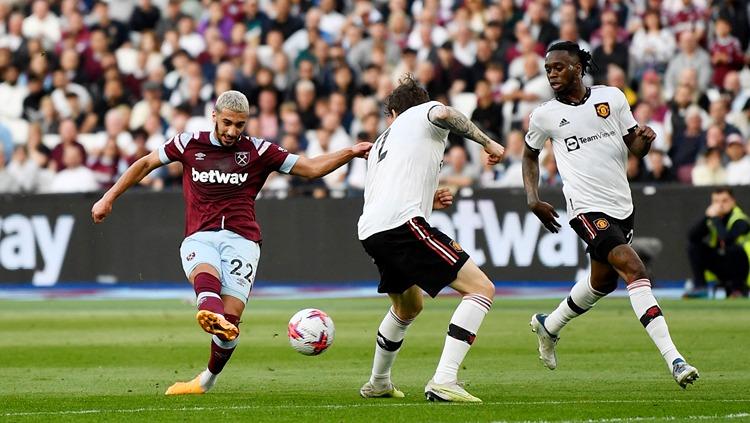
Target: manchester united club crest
x,y
602,110
601,224
241,157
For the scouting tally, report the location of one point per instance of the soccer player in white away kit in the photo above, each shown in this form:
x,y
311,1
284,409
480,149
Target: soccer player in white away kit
x,y
411,256
591,130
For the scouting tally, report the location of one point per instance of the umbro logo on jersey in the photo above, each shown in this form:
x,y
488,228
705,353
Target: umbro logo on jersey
x,y
200,156
564,122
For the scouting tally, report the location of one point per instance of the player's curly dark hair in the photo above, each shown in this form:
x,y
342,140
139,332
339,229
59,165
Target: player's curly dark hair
x,y
408,94
573,49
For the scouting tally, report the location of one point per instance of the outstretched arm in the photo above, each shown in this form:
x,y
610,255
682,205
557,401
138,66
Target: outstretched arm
x,y
544,211
639,141
326,163
451,119
137,171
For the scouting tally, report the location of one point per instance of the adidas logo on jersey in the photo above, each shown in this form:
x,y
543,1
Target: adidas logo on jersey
x,y
563,122
216,177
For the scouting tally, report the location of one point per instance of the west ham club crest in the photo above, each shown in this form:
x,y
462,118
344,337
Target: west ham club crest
x,y
241,157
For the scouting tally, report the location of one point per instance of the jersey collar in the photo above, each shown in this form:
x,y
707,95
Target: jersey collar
x,y
214,140
569,103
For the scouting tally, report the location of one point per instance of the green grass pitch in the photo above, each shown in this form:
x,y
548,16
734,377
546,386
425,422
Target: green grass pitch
x,y
98,361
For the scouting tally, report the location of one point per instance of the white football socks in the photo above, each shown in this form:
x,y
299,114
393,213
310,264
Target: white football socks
x,y
582,297
461,333
208,380
390,336
648,312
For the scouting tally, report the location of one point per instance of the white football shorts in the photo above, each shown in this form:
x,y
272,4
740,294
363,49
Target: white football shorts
x,y
236,258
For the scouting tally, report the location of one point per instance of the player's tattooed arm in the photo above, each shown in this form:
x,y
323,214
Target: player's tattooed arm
x,y
545,212
639,140
451,119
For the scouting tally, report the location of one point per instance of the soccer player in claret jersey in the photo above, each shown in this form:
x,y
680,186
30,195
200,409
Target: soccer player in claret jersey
x,y
591,130
411,256
223,171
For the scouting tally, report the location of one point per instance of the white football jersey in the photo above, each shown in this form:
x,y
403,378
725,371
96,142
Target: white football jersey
x,y
590,152
402,171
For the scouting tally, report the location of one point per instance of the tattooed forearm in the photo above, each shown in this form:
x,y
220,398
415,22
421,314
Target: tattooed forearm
x,y
530,170
453,120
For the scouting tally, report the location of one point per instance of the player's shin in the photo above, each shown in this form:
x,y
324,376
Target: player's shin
x,y
208,292
581,298
462,331
390,337
221,352
648,312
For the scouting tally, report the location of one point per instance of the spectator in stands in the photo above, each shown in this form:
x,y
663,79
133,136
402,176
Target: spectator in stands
x,y
42,24
549,175
610,51
719,247
68,138
652,46
74,176
512,176
569,32
687,144
588,18
688,17
522,95
117,33
725,50
616,78
284,20
540,28
145,16
455,172
488,115
105,163
738,168
657,168
12,93
25,170
691,55
634,170
267,116
8,183
718,112
359,54
709,169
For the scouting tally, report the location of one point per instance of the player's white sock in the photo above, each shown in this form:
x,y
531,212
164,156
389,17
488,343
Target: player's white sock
x,y
648,312
461,334
390,337
582,297
208,380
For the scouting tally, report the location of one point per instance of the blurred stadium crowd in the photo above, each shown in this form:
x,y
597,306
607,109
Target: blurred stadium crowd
x,y
90,86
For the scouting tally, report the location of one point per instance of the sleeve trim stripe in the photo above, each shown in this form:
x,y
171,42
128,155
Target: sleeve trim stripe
x,y
163,155
430,120
289,163
536,150
178,144
263,148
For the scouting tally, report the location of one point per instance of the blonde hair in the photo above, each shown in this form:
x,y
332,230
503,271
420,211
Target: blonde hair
x,y
234,101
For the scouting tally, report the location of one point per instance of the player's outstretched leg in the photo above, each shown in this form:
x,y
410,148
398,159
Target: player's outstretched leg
x,y
478,293
649,313
221,352
406,307
211,307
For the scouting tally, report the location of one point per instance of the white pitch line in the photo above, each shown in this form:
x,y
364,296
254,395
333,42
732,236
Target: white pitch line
x,y
636,419
369,405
